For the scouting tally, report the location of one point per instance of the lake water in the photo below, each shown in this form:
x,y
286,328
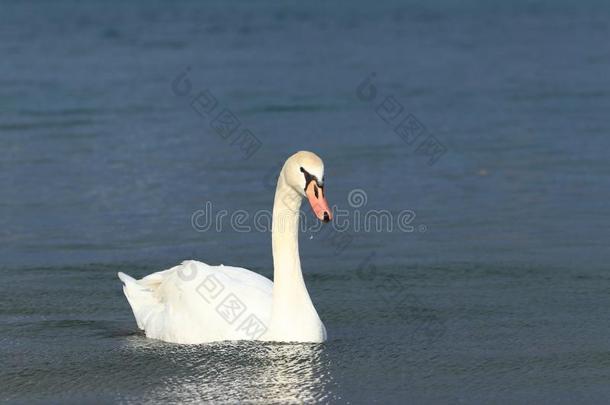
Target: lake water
x,y
493,290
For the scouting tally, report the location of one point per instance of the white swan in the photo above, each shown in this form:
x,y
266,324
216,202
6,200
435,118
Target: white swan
x,y
197,303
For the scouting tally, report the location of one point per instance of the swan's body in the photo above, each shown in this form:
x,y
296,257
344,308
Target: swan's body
x,y
195,303
198,303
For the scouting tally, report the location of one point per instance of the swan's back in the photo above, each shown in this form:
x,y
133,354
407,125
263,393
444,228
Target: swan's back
x,y
197,303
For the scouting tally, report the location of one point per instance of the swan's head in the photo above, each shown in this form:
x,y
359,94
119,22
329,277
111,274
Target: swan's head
x,y
304,171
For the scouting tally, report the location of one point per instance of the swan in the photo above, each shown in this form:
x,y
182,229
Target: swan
x,y
196,303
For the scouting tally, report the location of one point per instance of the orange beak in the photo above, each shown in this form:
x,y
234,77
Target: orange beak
x,y
318,202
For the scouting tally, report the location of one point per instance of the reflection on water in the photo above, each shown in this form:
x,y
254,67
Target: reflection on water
x,y
236,371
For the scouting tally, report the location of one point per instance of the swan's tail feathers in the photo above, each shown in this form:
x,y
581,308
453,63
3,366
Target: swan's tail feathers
x,y
125,278
141,298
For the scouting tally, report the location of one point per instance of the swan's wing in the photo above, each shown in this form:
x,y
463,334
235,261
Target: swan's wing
x,y
195,302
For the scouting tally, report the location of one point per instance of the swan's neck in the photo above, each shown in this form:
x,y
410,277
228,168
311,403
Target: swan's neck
x,y
293,313
285,237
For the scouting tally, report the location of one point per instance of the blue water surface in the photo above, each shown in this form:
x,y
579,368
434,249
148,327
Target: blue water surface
x,y
487,121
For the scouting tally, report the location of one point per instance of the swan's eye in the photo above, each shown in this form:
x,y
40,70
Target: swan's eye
x,y
308,177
